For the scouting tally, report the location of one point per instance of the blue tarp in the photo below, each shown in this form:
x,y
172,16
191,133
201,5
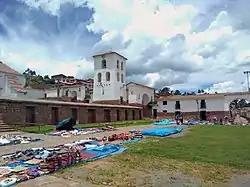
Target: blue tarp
x,y
164,122
131,141
161,131
105,151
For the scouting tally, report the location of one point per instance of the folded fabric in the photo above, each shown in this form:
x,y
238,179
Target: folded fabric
x,y
4,171
18,169
33,161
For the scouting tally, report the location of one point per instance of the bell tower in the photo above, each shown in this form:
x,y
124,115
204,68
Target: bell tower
x,y
109,76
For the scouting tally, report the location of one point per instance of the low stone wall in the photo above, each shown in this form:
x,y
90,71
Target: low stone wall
x,y
43,112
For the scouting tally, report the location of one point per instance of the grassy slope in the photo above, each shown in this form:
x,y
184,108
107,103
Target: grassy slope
x,y
50,128
211,154
227,145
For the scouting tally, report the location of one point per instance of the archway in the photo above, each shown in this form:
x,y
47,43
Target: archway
x,y
240,107
147,110
145,99
74,95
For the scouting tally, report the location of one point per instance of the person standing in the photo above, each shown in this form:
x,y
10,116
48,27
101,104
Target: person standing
x,y
177,119
181,119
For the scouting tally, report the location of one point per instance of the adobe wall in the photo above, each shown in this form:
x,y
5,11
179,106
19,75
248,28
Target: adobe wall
x,y
195,115
14,112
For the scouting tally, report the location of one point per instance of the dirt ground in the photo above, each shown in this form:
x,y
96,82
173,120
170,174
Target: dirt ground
x,y
57,140
103,172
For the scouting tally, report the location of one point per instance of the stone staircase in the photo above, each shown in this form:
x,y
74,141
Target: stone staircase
x,y
4,127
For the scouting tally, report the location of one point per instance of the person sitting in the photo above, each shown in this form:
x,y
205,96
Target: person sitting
x,y
138,134
108,127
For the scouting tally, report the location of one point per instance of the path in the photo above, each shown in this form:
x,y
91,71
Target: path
x,y
58,140
52,181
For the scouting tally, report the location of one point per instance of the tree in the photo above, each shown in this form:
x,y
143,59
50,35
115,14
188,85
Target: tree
x,y
199,91
165,90
46,77
177,92
35,81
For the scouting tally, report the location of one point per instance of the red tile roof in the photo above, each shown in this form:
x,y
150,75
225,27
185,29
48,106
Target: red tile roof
x,y
6,69
110,52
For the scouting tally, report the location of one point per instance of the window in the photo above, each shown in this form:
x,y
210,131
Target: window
x,y
107,76
203,104
165,102
122,80
121,65
117,64
99,77
79,89
165,111
139,96
67,93
118,77
104,64
177,105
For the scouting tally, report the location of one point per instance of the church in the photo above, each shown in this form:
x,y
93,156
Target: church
x,y
110,84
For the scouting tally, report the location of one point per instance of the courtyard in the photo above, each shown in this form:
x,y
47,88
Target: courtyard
x,y
199,156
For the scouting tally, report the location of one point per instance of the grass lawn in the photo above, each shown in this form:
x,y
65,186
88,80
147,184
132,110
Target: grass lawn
x,y
49,128
211,154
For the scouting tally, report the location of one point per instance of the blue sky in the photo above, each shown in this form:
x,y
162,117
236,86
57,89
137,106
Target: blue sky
x,y
184,44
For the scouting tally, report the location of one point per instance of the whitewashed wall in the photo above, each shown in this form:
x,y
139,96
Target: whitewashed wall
x,y
80,90
109,90
2,84
136,93
191,105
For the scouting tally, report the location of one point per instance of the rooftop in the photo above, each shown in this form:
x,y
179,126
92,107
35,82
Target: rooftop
x,y
141,85
6,69
109,52
51,102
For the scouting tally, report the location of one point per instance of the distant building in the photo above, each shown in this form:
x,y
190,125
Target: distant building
x,y
203,106
11,81
61,78
12,84
71,81
75,92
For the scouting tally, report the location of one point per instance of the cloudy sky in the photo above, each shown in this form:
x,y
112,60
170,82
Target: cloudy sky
x,y
183,44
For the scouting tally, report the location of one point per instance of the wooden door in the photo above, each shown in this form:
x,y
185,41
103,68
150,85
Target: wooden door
x,y
30,114
91,116
74,113
107,116
54,115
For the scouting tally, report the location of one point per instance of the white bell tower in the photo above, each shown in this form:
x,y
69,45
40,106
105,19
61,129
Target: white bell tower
x,y
109,76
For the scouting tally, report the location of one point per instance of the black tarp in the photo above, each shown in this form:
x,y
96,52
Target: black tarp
x,y
66,124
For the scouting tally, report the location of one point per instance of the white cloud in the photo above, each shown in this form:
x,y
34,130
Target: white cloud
x,y
160,39
229,86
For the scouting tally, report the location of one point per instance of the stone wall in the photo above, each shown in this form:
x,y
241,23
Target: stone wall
x,y
16,112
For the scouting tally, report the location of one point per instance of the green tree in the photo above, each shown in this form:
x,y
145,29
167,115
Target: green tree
x,y
177,92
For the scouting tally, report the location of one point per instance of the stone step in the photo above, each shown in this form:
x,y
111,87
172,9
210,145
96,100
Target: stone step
x,y
6,128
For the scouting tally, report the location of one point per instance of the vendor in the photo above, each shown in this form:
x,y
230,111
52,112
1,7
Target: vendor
x,y
108,127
